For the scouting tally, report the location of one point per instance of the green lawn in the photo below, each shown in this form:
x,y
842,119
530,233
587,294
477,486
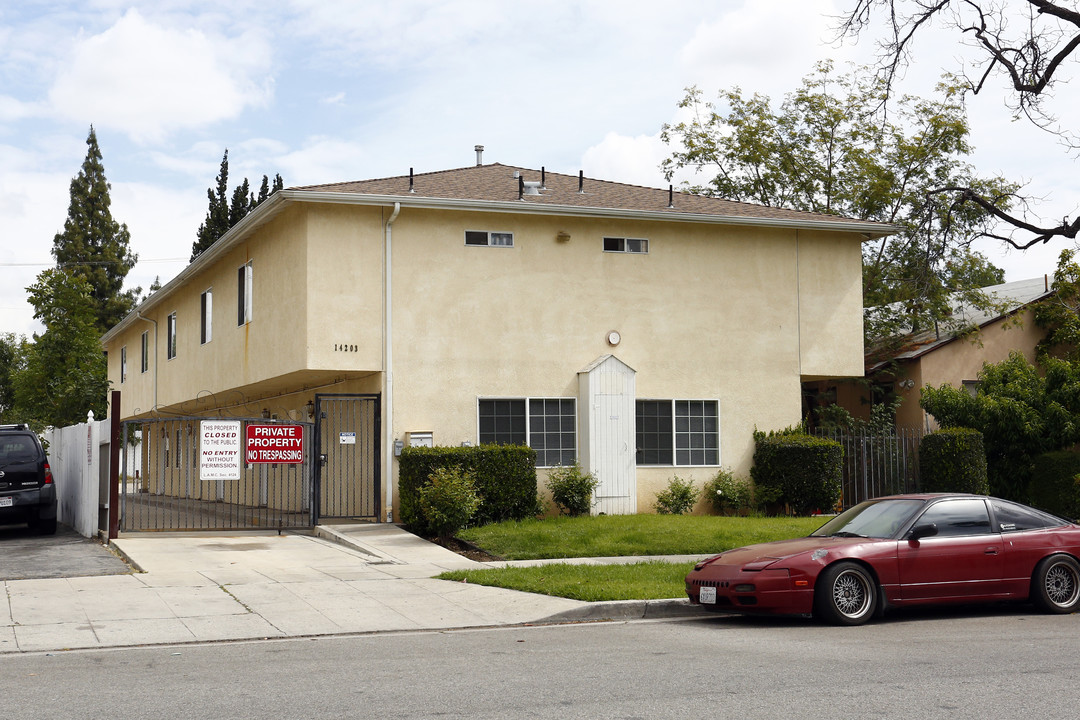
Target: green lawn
x,y
612,536
639,581
620,535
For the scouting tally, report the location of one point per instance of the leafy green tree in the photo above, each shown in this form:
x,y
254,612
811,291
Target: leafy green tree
x,y
93,245
1021,411
11,360
826,149
64,371
1059,314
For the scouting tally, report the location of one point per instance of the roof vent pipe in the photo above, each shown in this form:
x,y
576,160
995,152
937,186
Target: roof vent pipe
x,y
671,196
411,181
479,155
581,181
521,187
543,178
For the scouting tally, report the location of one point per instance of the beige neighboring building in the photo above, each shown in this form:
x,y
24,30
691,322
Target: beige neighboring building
x,y
642,332
945,358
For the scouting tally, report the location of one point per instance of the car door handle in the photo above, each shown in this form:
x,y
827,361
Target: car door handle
x,y
991,551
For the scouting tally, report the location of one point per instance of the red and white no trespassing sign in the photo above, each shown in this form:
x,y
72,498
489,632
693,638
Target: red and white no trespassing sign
x,y
275,443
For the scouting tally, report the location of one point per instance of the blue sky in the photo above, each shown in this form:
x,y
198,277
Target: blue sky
x,y
331,91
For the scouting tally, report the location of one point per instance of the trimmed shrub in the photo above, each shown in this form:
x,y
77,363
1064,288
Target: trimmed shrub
x,y
505,478
679,498
800,471
1054,485
953,460
571,489
728,495
448,501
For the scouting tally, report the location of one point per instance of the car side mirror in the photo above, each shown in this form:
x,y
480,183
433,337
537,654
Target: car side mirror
x,y
923,530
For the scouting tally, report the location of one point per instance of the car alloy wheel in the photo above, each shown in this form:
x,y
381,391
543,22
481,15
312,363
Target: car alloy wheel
x,y
1057,584
845,595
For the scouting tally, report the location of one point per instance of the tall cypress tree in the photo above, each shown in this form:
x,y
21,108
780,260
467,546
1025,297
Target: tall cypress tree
x,y
93,245
223,213
243,202
216,223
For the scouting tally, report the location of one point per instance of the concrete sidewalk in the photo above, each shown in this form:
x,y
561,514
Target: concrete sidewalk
x,y
202,587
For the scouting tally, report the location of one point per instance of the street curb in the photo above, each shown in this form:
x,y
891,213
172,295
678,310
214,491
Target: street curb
x,y
629,610
330,535
125,557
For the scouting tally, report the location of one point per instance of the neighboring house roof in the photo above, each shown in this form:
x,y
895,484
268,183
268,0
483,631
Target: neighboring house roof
x,y
1015,295
497,188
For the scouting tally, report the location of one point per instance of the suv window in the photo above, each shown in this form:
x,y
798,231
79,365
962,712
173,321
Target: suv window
x,y
17,448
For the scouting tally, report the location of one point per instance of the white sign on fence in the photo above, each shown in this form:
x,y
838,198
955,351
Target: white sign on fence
x,y
219,450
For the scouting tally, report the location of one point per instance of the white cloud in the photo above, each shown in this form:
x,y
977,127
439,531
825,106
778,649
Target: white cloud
x,y
147,80
634,160
324,160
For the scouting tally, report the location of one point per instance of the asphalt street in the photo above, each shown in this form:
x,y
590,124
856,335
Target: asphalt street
x,y
977,663
25,555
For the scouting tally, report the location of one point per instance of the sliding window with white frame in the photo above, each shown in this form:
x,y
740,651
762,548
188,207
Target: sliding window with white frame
x,y
678,432
547,425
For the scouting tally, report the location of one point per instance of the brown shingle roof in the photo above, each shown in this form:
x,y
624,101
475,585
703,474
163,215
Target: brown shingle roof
x,y
497,183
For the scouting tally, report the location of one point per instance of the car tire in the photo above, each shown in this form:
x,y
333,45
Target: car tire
x,y
44,526
845,594
1055,586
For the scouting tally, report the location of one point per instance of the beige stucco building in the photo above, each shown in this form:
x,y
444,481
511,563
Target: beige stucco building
x,y
946,357
643,332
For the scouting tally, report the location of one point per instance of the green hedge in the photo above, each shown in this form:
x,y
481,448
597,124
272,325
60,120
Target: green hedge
x,y
1053,486
801,471
953,460
505,481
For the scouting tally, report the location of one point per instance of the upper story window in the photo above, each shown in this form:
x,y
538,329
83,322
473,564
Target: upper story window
x,y
206,311
489,239
626,245
678,432
243,294
170,333
145,361
123,363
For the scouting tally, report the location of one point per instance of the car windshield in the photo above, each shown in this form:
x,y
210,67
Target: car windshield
x,y
873,518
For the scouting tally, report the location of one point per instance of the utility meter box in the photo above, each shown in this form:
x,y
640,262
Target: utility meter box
x,y
421,439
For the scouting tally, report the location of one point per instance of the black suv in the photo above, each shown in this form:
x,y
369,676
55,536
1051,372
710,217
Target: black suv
x,y
27,491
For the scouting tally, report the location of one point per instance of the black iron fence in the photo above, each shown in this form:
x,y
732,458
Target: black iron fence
x,y
169,481
877,464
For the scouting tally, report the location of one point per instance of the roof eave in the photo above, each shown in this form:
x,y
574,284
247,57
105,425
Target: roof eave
x,y
868,229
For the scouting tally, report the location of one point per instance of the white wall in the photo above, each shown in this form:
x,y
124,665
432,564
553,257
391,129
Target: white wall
x,y
79,458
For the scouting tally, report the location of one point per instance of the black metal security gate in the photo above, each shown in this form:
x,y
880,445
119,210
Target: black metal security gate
x,y
878,464
162,485
347,437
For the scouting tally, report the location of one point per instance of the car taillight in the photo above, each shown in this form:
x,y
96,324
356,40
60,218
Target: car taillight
x,y
48,475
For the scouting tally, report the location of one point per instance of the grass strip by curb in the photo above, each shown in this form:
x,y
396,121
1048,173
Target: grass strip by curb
x,y
592,583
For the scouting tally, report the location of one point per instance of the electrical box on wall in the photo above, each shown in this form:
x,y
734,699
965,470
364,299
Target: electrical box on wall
x,y
421,439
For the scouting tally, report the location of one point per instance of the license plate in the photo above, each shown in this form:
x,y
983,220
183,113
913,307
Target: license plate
x,y
6,502
707,596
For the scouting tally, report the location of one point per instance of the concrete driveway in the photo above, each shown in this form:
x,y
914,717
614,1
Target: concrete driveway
x,y
25,555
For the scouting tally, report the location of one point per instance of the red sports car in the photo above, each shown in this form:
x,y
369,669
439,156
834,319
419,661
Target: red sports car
x,y
900,551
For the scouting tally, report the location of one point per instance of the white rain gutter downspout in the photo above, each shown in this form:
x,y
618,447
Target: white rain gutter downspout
x,y
388,362
139,315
